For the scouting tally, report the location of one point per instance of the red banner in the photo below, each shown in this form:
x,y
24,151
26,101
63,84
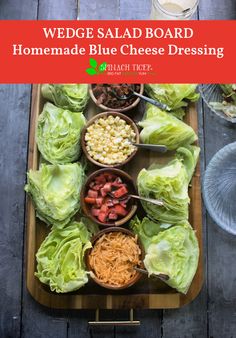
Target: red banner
x,y
117,51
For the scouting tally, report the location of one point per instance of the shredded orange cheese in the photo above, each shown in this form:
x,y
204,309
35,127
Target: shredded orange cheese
x,y
113,258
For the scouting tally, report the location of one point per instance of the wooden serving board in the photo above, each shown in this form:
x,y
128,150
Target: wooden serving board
x,y
147,293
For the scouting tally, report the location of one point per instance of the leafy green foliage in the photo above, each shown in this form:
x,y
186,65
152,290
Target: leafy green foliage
x,y
73,97
169,183
170,250
160,127
55,190
176,96
60,258
58,134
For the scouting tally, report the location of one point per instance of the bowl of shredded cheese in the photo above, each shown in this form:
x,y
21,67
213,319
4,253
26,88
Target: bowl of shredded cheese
x,y
113,257
107,139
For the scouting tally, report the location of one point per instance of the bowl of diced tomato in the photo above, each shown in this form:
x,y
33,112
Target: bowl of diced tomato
x,y
105,197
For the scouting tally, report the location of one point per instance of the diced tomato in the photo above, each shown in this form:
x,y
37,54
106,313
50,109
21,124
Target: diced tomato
x,y
97,187
100,179
92,193
117,183
109,202
120,210
103,192
99,201
108,196
107,187
90,200
112,215
102,217
123,204
95,212
120,192
104,208
109,177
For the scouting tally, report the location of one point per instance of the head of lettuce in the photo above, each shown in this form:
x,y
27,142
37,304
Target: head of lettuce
x,y
58,134
160,127
60,258
170,250
55,191
67,96
176,96
169,183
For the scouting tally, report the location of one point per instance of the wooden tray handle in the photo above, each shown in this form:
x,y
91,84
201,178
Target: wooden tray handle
x,y
130,322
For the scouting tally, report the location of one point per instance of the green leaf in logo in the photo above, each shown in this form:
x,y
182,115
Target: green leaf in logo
x,y
93,63
91,71
103,67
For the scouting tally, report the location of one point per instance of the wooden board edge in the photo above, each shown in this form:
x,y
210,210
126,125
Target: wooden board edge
x,y
30,212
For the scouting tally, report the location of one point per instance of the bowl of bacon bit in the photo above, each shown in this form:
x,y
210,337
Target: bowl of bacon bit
x,y
105,197
108,96
114,255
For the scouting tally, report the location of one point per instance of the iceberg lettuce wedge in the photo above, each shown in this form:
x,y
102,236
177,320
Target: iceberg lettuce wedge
x,y
160,127
176,96
67,96
169,183
58,134
170,250
174,252
55,191
146,229
60,258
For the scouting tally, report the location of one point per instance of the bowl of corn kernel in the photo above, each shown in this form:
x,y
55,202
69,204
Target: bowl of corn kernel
x,y
107,139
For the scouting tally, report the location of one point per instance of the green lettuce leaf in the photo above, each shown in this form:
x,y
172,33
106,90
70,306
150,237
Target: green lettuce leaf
x,y
55,190
176,96
228,104
169,183
170,249
189,156
174,252
146,229
58,134
160,127
60,258
229,92
67,96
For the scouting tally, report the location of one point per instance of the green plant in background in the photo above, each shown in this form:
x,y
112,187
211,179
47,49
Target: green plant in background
x,y
95,68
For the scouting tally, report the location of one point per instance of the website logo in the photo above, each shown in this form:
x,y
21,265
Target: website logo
x,y
95,68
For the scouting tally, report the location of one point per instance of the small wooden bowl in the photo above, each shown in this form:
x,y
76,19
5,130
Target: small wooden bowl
x,y
133,280
132,204
133,105
105,115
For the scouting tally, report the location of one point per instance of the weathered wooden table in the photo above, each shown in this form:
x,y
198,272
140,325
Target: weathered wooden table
x,y
212,314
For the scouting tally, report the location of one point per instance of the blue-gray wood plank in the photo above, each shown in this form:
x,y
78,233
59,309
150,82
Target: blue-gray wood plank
x,y
212,314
